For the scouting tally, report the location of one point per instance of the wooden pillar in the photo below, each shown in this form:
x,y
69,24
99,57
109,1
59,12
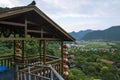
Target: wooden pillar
x,y
62,57
15,72
14,46
25,27
14,50
40,50
23,51
41,32
44,52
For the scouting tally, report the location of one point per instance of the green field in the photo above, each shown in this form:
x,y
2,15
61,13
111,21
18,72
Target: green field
x,y
93,44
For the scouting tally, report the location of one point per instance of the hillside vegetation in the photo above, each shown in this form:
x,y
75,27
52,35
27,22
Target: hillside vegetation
x,y
94,63
80,34
110,34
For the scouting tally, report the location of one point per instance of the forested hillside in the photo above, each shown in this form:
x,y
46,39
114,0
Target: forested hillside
x,y
80,34
110,34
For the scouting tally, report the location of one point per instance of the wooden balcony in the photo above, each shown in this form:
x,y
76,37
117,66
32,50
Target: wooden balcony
x,y
32,67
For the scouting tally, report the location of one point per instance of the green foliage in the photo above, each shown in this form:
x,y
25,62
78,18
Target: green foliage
x,y
77,74
6,47
31,48
88,62
53,48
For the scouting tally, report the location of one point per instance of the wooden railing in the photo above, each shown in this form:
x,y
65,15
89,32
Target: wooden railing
x,y
54,61
37,72
56,64
56,73
36,58
6,61
32,59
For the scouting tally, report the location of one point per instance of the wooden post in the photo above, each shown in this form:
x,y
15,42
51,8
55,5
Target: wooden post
x,y
44,53
44,57
14,50
29,75
23,51
40,50
25,27
44,47
62,57
15,66
14,46
51,75
41,33
16,73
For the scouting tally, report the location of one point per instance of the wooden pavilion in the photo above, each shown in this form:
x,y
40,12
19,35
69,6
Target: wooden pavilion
x,y
29,23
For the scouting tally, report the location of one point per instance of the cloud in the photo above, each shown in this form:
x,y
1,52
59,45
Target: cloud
x,y
81,8
83,14
69,8
10,3
77,24
78,14
82,25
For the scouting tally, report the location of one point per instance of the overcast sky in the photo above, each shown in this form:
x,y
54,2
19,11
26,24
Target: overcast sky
x,y
76,15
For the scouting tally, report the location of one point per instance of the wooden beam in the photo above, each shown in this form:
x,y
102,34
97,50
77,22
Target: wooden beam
x,y
51,39
12,23
36,31
30,22
53,61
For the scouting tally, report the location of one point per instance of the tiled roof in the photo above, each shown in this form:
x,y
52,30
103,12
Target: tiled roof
x,y
3,10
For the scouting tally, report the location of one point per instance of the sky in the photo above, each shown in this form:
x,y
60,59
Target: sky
x,y
76,15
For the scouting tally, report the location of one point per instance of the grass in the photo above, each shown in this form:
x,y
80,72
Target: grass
x,y
96,44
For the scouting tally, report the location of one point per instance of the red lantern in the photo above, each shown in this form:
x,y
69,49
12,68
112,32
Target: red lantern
x,y
65,60
18,44
65,53
18,50
66,74
65,46
65,67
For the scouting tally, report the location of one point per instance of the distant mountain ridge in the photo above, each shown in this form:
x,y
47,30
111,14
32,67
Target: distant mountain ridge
x,y
80,34
110,34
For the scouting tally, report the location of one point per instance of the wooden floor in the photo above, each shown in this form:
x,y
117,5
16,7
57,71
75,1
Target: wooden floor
x,y
7,75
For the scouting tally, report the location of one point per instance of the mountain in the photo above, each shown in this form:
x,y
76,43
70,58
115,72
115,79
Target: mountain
x,y
110,34
80,34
